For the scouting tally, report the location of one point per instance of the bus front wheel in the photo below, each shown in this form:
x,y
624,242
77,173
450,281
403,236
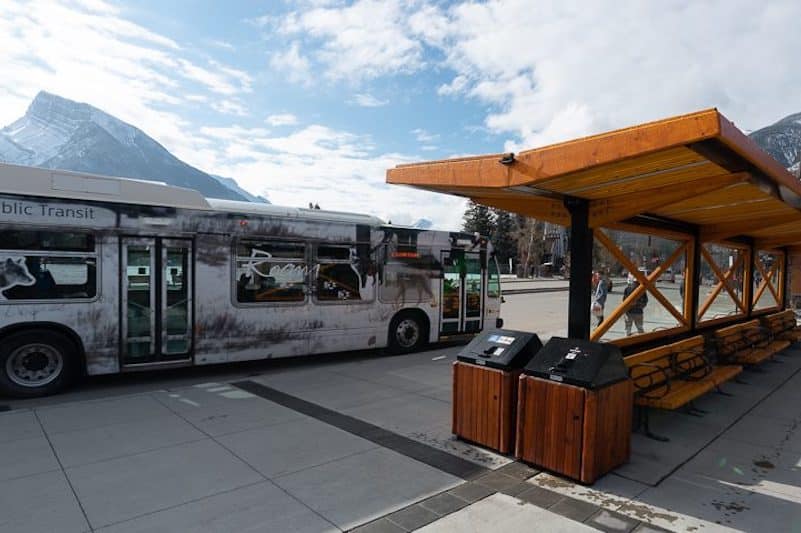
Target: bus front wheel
x,y
35,363
408,332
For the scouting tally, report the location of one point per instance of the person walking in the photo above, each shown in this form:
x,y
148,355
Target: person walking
x,y
634,314
599,298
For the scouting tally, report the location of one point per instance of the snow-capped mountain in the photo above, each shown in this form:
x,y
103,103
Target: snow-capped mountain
x,y
782,140
60,133
234,186
422,223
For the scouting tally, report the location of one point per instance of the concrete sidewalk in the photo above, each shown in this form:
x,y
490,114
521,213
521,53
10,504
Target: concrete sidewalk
x,y
364,443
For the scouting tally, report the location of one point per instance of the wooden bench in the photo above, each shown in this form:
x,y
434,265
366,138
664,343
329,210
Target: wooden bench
x,y
747,343
783,325
672,376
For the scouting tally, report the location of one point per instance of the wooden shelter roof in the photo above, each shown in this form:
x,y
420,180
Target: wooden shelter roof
x,y
695,169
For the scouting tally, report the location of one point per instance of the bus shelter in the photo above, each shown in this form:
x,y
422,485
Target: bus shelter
x,y
719,214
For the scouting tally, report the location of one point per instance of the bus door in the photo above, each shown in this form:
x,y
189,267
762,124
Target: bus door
x,y
462,294
157,289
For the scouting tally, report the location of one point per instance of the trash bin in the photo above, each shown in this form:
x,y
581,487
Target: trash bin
x,y
574,409
485,378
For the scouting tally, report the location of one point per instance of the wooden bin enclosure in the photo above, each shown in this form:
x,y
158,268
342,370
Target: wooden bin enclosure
x,y
580,433
484,405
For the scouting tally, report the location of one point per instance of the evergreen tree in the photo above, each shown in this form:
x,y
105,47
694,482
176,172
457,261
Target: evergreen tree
x,y
504,238
478,219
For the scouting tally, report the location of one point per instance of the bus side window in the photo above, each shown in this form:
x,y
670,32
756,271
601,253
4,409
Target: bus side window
x,y
337,275
44,265
271,271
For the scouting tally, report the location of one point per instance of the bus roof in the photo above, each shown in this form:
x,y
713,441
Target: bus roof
x,y
233,206
49,183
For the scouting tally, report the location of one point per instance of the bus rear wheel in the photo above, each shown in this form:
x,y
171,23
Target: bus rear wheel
x,y
35,363
407,333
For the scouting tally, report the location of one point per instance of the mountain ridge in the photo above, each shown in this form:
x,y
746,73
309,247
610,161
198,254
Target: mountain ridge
x,y
782,140
59,133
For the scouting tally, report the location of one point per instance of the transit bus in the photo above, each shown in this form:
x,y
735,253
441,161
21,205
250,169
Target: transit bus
x,y
102,275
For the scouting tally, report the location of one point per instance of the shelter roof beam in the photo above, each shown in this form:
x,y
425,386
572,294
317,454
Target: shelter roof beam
x,y
783,240
624,206
721,231
540,207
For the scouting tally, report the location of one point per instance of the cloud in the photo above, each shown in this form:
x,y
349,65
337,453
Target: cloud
x,y
229,107
225,45
553,70
282,119
423,136
292,64
456,86
367,100
364,40
88,52
557,72
220,80
335,168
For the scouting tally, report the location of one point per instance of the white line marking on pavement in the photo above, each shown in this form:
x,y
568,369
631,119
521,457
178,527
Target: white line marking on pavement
x,y
237,394
190,402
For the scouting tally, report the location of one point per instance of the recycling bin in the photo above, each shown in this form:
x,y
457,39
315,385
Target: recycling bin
x,y
574,409
485,378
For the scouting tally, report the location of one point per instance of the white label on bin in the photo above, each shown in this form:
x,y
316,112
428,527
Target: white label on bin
x,y
505,340
554,377
480,362
498,351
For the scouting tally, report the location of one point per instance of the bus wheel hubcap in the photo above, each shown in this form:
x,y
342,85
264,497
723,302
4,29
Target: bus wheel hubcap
x,y
407,333
34,365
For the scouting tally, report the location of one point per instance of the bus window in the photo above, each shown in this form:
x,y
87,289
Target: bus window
x,y
472,285
494,282
271,271
336,276
29,272
46,240
408,275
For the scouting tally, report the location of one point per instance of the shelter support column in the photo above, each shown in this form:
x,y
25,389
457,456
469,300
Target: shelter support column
x,y
692,284
749,278
580,295
785,288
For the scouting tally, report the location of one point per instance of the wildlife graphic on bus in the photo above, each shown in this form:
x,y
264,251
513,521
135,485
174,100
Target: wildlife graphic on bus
x,y
14,272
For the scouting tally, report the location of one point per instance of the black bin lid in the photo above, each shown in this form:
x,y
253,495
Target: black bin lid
x,y
505,349
578,362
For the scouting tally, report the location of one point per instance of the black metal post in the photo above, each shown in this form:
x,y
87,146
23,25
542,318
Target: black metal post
x,y
785,279
694,282
578,308
749,279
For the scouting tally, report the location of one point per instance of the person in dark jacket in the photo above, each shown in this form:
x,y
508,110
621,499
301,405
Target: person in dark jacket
x,y
634,313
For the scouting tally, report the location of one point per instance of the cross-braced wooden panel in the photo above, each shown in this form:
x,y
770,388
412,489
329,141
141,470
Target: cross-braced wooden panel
x,y
725,269
768,280
645,283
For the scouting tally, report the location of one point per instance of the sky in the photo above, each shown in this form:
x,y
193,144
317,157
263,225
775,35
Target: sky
x,y
313,100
